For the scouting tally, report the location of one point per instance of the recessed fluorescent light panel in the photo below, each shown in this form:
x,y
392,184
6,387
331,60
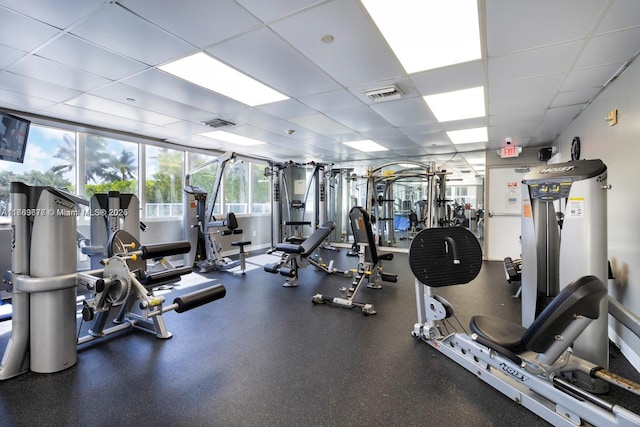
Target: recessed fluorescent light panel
x,y
428,34
232,138
366,145
205,71
467,136
457,105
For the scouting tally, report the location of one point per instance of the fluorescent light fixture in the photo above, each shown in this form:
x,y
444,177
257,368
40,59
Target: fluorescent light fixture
x,y
232,138
428,34
366,145
467,136
205,71
457,105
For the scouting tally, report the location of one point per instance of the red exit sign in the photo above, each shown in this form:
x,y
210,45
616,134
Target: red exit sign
x,y
510,151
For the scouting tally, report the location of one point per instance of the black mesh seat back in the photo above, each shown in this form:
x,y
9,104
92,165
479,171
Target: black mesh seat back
x,y
431,256
232,222
362,232
316,238
581,297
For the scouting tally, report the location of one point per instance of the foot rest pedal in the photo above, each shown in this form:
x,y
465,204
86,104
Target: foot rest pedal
x,y
287,272
388,277
271,268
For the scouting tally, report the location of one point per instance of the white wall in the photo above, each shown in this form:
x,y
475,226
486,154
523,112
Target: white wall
x,y
619,148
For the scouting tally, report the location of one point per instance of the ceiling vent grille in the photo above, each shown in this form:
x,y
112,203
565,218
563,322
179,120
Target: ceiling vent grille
x,y
384,93
218,123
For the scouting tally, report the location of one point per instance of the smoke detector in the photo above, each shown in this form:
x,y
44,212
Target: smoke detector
x,y
384,93
218,123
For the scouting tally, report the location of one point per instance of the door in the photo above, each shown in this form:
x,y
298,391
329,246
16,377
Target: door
x,y
502,216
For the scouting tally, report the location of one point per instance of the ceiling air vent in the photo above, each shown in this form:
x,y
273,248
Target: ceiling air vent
x,y
218,123
384,93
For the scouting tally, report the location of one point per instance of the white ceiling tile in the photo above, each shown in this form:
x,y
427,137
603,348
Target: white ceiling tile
x,y
447,79
523,103
9,55
610,48
95,103
179,90
554,121
36,88
621,14
23,33
266,57
516,26
149,101
52,72
404,112
268,11
585,78
575,97
88,57
201,23
95,118
548,60
359,119
321,124
546,85
20,101
331,101
287,109
137,38
249,115
357,54
60,14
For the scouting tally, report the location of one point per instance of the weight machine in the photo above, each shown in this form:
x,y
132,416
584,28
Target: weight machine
x,y
564,220
201,226
369,266
533,366
43,282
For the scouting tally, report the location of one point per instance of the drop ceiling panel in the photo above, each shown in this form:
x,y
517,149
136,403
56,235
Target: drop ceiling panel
x,y
36,88
43,69
20,101
170,87
267,58
96,118
201,23
9,55
331,101
599,48
90,102
60,14
140,99
321,124
359,119
621,14
137,38
268,11
525,87
23,33
522,103
585,78
357,54
88,57
404,112
575,97
568,19
447,79
287,109
548,60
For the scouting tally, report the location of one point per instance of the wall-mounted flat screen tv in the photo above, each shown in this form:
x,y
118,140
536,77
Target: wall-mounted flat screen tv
x,y
14,132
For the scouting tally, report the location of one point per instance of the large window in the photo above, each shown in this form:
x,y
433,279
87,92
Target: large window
x,y
164,175
236,191
109,165
50,159
204,177
260,189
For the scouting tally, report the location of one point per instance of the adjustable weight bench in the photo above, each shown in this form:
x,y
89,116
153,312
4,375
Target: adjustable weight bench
x,y
369,265
300,255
